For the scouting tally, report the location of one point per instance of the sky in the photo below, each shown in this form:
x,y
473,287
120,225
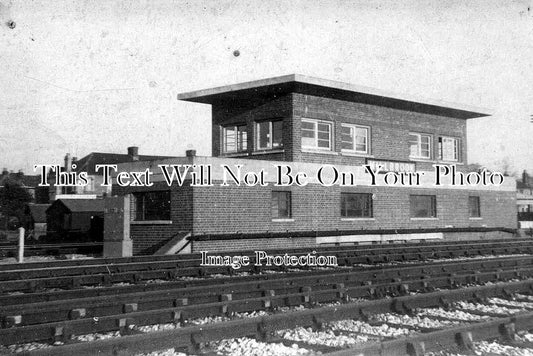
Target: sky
x,y
82,76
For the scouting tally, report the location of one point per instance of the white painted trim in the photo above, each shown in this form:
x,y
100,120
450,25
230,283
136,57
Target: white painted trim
x,y
151,222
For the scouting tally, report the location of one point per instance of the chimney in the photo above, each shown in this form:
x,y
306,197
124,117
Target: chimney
x,y
68,162
5,172
524,177
133,152
190,153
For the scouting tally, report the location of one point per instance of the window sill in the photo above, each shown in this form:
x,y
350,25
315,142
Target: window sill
x,y
450,162
234,154
151,222
424,218
355,154
358,219
325,152
267,152
427,160
475,218
282,220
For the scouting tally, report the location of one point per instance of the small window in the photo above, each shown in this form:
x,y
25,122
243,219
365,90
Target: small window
x,y
474,207
281,205
423,206
356,205
152,205
316,134
269,135
355,138
235,139
419,146
448,149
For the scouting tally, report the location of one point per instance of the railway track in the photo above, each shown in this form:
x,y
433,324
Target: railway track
x,y
31,277
64,316
281,328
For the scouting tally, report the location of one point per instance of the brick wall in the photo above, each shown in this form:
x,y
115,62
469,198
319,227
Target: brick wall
x,y
389,128
252,244
314,207
148,238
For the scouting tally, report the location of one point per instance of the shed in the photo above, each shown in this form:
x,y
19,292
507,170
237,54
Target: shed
x,y
69,217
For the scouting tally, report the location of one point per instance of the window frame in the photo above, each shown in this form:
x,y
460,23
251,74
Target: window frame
x,y
478,206
457,149
164,216
433,209
238,139
419,146
277,194
316,122
270,145
354,127
370,208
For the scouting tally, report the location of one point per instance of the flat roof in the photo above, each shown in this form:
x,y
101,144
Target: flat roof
x,y
296,83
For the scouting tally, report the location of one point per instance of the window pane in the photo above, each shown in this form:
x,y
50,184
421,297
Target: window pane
x,y
450,150
152,205
263,135
356,205
277,134
242,138
419,145
281,205
347,138
316,134
473,207
423,206
229,139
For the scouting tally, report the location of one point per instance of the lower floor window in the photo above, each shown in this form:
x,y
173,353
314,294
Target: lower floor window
x,y
281,205
356,205
152,205
473,207
423,206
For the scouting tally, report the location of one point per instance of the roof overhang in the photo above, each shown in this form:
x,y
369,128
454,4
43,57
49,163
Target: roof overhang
x,y
270,88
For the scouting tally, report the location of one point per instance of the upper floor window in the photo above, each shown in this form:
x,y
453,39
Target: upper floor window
x,y
153,205
473,207
449,149
356,205
317,134
269,134
423,206
235,139
419,146
281,205
355,138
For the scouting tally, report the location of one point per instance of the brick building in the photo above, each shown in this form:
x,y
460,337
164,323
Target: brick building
x,y
307,123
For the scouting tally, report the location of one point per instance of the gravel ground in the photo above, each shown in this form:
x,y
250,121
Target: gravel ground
x,y
453,314
483,308
252,347
412,321
357,326
328,337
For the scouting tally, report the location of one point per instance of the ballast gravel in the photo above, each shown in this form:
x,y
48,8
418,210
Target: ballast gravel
x,y
327,338
357,326
412,321
252,347
483,308
451,314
